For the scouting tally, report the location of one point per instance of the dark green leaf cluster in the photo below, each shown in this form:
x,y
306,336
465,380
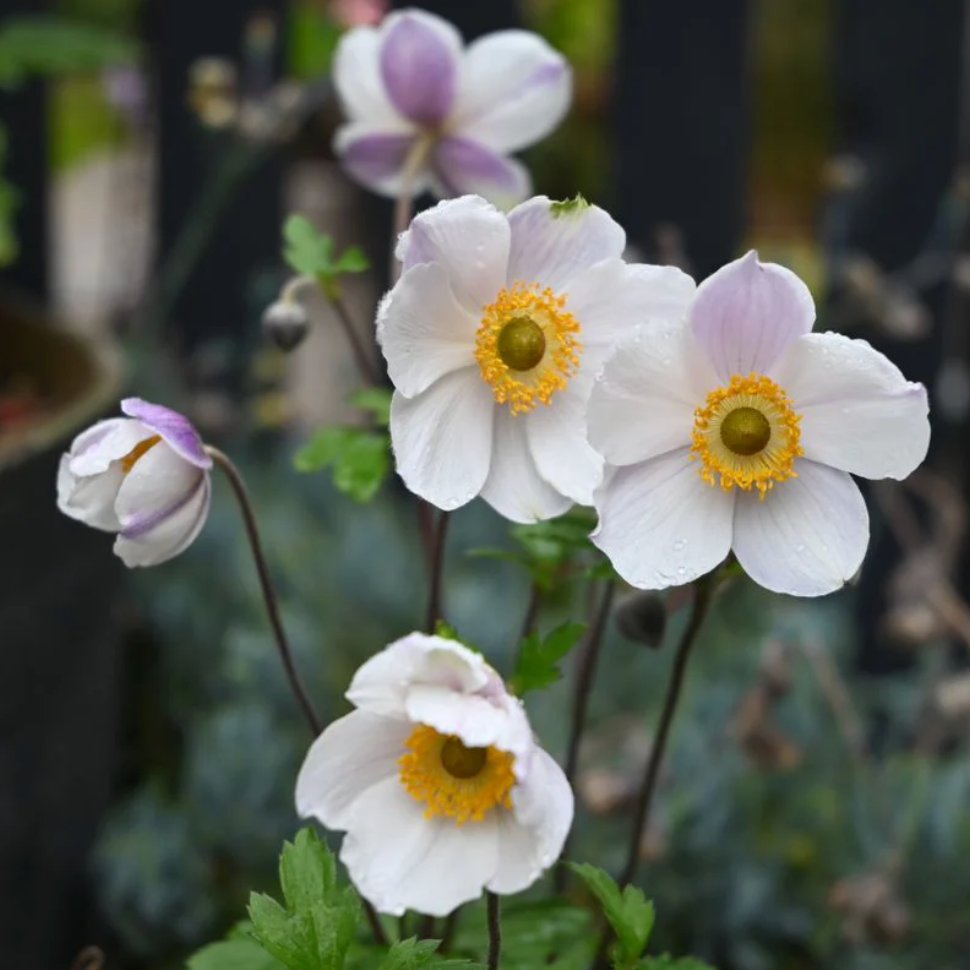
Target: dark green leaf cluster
x,y
239,951
311,253
360,458
539,657
314,926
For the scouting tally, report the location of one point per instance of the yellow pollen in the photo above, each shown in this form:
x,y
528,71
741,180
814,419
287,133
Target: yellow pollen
x,y
128,462
530,312
746,435
455,780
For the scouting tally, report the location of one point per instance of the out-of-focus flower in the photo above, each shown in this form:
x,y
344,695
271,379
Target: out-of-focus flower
x,y
145,477
437,781
212,91
492,336
737,429
358,13
286,323
425,114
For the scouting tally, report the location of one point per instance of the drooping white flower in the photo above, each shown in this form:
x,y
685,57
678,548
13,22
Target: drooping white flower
x,y
736,428
437,781
145,477
492,337
426,114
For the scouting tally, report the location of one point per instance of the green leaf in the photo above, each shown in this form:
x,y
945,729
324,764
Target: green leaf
x,y
667,962
307,251
316,926
629,913
549,546
409,954
352,260
360,458
538,663
376,401
239,954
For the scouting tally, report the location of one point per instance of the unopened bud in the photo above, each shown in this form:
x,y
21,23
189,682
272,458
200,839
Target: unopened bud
x,y
286,323
642,618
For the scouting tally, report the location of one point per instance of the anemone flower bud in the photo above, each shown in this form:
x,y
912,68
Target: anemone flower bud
x,y
144,477
286,323
642,618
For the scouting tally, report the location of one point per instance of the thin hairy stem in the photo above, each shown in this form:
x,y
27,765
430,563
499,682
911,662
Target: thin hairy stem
x,y
362,358
448,933
238,484
494,930
583,687
436,570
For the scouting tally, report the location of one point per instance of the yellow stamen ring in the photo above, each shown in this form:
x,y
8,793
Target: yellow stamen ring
x,y
526,346
128,462
455,780
746,435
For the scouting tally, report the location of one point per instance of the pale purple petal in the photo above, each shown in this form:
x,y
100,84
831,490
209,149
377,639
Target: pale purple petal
x,y
423,331
515,488
557,439
469,237
643,402
419,65
514,90
466,167
859,413
747,313
375,157
612,298
553,243
809,535
442,438
174,428
97,449
661,524
357,78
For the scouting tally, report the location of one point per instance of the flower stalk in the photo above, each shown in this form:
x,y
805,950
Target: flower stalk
x,y
494,930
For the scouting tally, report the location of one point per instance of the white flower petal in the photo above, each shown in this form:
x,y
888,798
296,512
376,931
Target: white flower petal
x,y
514,487
357,77
661,524
153,538
746,314
90,500
859,413
423,331
553,243
353,754
513,90
611,299
376,158
557,439
809,535
643,402
93,451
442,438
532,837
399,860
469,237
381,685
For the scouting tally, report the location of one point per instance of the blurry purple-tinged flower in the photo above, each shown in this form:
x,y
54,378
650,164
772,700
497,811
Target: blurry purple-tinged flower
x,y
125,89
145,477
358,13
424,113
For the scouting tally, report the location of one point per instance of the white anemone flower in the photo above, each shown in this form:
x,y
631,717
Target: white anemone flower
x,y
492,337
426,113
437,781
145,477
737,429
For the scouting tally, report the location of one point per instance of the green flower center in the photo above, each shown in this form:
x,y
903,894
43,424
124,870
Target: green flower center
x,y
460,761
521,344
745,431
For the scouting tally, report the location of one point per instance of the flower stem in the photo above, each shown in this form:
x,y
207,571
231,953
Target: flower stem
x,y
703,589
581,694
365,364
269,593
404,203
494,930
238,484
435,572
532,611
448,932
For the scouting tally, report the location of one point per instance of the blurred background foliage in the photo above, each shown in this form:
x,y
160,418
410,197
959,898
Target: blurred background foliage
x,y
809,817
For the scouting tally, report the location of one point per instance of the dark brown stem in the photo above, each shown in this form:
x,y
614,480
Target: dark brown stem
x,y
426,931
448,933
532,611
703,589
365,364
494,930
238,484
435,573
583,687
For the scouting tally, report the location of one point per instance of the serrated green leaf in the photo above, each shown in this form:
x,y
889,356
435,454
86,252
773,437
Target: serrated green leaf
x,y
409,954
286,936
236,954
376,401
324,447
628,911
307,251
352,260
446,631
538,663
308,872
360,458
